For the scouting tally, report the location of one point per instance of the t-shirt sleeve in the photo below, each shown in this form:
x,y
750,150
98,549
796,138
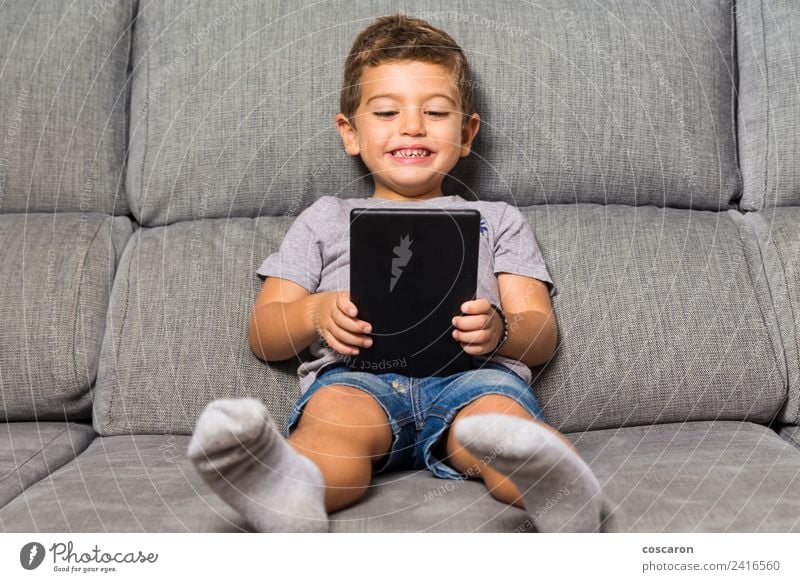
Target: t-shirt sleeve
x,y
299,257
516,250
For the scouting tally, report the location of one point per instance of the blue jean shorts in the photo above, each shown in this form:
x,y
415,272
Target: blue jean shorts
x,y
421,409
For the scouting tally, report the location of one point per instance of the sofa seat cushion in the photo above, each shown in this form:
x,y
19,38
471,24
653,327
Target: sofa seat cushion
x,y
56,276
30,451
710,476
145,483
141,483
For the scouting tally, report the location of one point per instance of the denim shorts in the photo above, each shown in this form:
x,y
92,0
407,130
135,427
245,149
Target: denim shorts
x,y
421,409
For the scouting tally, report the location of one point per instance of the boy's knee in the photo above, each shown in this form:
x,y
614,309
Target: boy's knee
x,y
348,410
493,403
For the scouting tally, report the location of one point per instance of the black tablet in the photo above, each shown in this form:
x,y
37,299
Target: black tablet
x,y
410,271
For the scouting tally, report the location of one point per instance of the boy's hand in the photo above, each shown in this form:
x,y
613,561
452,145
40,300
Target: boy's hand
x,y
480,329
335,322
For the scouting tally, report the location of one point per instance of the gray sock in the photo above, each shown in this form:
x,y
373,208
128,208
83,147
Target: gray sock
x,y
240,453
560,491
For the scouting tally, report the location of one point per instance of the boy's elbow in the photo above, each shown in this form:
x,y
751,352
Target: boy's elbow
x,y
259,342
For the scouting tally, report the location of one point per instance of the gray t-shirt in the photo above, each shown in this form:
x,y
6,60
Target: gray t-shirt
x,y
315,253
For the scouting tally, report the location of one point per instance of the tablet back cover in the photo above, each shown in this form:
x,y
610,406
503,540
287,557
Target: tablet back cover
x,y
410,271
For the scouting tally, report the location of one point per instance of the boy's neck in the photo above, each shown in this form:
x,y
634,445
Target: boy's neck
x,y
387,194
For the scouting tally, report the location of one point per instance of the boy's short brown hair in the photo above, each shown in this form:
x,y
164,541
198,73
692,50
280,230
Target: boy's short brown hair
x,y
401,37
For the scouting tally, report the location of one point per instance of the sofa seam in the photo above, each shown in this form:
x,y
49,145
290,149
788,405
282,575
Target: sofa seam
x,y
138,193
116,351
735,100
758,303
34,455
789,438
794,334
766,104
78,294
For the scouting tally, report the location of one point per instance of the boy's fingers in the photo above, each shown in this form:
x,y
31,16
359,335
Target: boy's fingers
x,y
470,322
345,305
348,323
350,340
473,337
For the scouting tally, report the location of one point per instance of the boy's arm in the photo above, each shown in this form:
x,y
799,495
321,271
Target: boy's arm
x,y
532,331
281,324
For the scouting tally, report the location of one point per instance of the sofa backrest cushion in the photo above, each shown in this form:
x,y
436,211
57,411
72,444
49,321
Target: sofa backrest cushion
x,y
55,280
768,47
660,320
64,94
233,106
177,333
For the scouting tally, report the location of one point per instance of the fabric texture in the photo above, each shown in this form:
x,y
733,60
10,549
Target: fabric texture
x,y
660,319
315,253
55,280
768,49
684,477
64,94
791,434
177,328
146,483
232,106
777,259
710,476
29,451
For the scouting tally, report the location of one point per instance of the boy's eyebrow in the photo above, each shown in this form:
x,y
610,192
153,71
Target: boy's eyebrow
x,y
396,96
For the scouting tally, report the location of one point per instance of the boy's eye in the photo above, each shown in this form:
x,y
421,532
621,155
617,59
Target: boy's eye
x,y
434,113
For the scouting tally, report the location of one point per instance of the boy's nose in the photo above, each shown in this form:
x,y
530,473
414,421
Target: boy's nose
x,y
412,122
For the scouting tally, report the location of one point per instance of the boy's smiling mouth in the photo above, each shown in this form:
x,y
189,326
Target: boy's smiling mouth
x,y
411,155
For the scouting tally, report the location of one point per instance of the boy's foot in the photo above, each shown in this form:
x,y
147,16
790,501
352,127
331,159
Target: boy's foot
x,y
240,453
560,491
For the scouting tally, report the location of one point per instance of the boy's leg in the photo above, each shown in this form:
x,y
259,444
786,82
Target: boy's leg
x,y
500,439
450,450
239,451
345,432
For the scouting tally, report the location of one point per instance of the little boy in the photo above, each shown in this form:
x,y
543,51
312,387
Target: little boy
x,y
407,109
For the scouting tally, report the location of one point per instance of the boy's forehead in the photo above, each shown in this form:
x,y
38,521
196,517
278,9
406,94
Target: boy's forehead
x,y
411,78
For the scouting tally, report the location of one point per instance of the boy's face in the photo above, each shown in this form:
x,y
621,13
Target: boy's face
x,y
403,104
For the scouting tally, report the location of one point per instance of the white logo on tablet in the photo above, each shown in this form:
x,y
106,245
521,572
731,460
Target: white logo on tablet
x,y
402,253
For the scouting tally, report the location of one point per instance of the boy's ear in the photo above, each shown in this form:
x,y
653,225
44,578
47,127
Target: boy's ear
x,y
468,133
348,133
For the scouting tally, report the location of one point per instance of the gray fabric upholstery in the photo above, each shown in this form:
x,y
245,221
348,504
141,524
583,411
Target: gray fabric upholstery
x,y
177,333
64,94
659,318
692,477
232,105
791,434
778,255
649,324
768,47
717,476
139,483
55,281
29,451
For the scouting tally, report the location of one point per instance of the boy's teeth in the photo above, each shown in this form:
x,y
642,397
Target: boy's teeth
x,y
410,153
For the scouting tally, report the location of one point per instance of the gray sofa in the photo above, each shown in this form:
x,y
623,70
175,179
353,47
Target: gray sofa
x,y
153,153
